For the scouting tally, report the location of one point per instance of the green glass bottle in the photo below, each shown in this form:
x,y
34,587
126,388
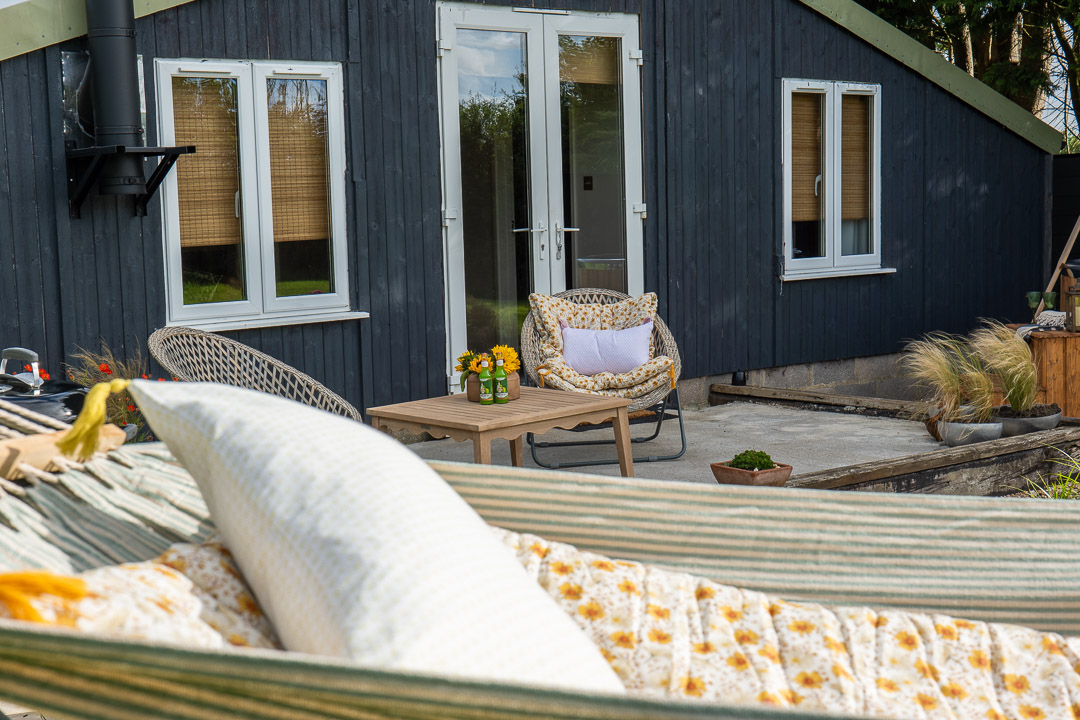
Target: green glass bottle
x,y
486,386
502,386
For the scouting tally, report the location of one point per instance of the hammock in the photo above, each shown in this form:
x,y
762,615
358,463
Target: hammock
x,y
982,558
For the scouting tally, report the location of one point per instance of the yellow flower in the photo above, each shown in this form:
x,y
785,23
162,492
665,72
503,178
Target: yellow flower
x,y
1017,683
608,655
511,363
474,365
746,637
539,550
703,648
887,685
769,653
1051,646
629,587
570,592
775,610
928,702
839,671
979,660
731,614
810,681
659,636
692,686
624,640
704,593
791,696
835,645
947,632
907,641
660,613
767,698
1031,712
954,691
561,568
604,565
801,626
1075,711
964,624
882,621
738,661
926,669
993,714
591,611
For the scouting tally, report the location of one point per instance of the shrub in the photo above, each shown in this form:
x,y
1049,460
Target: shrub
x,y
954,374
752,460
1011,361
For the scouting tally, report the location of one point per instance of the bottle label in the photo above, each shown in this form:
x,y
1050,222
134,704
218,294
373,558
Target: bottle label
x,y
500,390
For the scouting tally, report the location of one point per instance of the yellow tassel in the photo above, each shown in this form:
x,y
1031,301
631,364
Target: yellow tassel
x,y
16,590
671,373
81,441
541,371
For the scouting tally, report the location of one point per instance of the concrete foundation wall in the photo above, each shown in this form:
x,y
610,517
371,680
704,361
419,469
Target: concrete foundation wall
x,y
874,376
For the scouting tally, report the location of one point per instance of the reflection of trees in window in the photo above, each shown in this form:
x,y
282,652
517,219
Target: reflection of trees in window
x,y
589,93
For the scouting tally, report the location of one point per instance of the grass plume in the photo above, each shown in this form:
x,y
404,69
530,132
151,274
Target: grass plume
x,y
1011,361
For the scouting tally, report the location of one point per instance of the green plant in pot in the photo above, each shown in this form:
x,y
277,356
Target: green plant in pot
x,y
1009,358
960,385
751,467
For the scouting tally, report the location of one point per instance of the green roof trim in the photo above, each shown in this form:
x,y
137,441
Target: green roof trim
x,y
902,47
34,24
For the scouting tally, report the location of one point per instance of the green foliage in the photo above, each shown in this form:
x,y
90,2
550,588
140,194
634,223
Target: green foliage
x,y
752,460
1061,485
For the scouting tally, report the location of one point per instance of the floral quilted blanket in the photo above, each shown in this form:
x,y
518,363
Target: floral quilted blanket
x,y
675,635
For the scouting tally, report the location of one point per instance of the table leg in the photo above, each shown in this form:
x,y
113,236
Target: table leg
x,y
481,450
517,458
379,425
622,443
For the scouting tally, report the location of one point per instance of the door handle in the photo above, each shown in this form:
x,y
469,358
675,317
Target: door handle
x,y
538,229
559,230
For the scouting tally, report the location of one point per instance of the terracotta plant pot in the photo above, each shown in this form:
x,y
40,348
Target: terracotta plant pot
x,y
727,475
513,382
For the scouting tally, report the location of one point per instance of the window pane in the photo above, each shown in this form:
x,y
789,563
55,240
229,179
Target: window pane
x,y
208,186
594,197
855,177
300,185
493,120
807,181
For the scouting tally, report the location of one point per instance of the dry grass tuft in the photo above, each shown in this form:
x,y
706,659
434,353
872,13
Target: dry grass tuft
x,y
1011,361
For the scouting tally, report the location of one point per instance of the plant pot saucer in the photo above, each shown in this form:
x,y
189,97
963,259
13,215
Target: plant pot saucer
x,y
727,475
966,433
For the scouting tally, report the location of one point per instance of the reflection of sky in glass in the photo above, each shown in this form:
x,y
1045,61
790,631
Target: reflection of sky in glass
x,y
490,63
289,94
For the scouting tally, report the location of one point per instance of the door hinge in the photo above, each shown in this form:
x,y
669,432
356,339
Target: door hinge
x,y
637,56
442,47
447,215
640,208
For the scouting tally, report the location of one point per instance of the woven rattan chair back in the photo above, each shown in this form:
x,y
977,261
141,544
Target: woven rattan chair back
x,y
663,342
198,356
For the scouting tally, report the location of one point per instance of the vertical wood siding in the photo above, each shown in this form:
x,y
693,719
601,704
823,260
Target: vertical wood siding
x,y
963,200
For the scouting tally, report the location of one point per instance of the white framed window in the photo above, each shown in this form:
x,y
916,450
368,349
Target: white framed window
x,y
254,221
832,179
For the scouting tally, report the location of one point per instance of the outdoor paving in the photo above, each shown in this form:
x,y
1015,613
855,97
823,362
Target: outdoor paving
x,y
809,440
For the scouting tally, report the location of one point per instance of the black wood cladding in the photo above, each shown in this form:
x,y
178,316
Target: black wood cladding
x,y
963,203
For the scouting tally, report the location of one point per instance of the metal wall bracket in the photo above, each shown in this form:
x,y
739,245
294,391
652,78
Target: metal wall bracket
x,y
85,166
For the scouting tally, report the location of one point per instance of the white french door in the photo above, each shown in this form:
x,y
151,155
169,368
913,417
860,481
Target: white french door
x,y
542,177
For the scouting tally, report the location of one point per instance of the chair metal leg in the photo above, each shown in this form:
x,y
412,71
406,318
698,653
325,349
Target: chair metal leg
x,y
533,444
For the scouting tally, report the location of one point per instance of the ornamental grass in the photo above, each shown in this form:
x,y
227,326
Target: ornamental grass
x,y
1011,361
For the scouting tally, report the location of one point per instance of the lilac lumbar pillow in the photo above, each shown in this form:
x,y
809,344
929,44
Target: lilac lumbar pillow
x,y
590,352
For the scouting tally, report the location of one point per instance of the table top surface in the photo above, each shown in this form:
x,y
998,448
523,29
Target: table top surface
x,y
534,405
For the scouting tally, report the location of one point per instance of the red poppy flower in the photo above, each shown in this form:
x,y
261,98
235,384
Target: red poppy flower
x,y
28,368
104,367
145,376
161,379
45,375
131,408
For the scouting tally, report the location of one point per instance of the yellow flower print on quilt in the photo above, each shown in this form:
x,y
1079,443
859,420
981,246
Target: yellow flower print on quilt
x,y
674,635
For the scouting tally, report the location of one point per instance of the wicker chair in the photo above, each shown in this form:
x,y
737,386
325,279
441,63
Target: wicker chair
x,y
198,356
658,401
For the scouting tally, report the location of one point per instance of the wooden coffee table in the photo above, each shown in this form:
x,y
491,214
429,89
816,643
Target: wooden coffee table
x,y
536,411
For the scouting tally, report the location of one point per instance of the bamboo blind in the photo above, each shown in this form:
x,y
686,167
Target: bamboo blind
x,y
806,157
299,165
592,60
204,115
855,160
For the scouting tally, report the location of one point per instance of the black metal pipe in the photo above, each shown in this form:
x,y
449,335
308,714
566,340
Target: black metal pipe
x,y
111,33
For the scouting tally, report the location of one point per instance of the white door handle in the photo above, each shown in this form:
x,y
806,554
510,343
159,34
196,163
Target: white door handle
x,y
559,230
817,186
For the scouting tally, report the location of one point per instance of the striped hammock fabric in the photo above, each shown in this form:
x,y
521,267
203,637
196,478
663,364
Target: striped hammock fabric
x,y
980,558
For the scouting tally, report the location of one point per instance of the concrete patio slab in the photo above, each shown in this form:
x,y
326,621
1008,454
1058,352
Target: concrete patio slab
x,y
810,440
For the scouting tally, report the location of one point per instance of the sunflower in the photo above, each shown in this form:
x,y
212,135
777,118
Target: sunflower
x,y
511,362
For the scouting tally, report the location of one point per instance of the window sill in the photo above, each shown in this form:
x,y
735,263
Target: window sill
x,y
270,321
834,272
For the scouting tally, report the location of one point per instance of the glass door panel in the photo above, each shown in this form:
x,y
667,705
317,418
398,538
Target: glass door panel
x,y
592,233
495,205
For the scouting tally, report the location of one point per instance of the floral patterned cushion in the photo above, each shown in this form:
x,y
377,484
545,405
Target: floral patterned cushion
x,y
557,373
675,635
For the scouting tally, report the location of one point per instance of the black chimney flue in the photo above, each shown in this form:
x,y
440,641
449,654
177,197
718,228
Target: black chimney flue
x,y
111,32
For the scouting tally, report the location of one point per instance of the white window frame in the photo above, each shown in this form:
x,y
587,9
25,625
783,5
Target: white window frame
x,y
834,263
262,308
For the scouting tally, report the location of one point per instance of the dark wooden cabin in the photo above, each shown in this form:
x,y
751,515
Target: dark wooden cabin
x,y
797,181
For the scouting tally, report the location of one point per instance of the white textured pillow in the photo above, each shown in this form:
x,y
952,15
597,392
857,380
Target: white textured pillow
x,y
591,352
355,547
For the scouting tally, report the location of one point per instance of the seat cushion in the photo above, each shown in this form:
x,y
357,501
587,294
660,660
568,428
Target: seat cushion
x,y
642,380
355,547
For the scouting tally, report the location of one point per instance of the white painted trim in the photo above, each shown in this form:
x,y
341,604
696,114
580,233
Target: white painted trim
x,y
835,272
306,318
834,263
260,309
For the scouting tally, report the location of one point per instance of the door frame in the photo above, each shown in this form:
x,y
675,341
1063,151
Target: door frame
x,y
545,144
